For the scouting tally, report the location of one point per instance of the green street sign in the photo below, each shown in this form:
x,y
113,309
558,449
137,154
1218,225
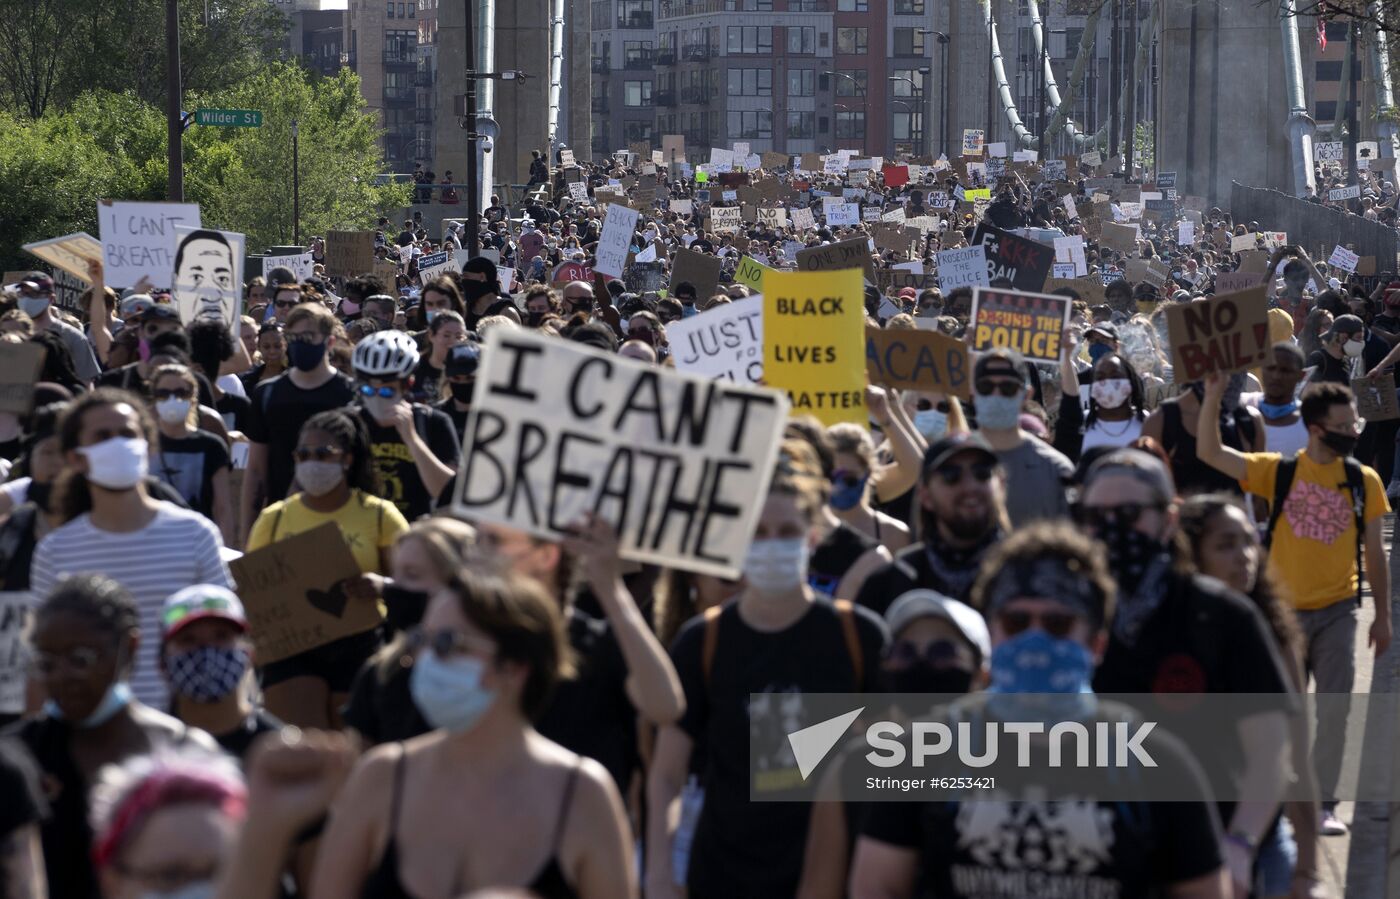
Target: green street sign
x,y
229,118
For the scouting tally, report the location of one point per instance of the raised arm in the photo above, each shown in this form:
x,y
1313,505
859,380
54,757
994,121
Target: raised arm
x,y
1209,448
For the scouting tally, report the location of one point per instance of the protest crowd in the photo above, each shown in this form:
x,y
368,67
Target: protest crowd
x,y
408,568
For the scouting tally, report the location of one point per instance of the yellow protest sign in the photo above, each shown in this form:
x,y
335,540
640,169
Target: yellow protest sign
x,y
750,274
814,342
981,193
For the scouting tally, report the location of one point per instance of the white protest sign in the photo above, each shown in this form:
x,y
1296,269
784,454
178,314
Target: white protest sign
x,y
833,165
741,149
566,158
676,462
434,265
843,214
1025,156
1186,232
618,227
15,608
1062,270
1091,159
962,268
1344,259
505,277
870,214
1345,193
302,266
684,207
646,255
729,196
70,253
1070,250
895,215
727,220
726,342
1070,209
1241,242
997,149
207,278
773,218
578,191
721,160
802,218
1329,151
138,240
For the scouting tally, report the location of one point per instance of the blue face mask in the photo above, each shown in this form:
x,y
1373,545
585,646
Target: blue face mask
x,y
997,412
1035,662
209,673
1277,410
931,423
1098,350
688,310
449,693
117,697
848,497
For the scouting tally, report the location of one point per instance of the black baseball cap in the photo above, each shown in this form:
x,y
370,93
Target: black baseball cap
x,y
945,448
1000,361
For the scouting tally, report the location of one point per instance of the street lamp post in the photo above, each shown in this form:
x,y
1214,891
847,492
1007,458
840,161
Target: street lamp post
x,y
943,111
296,187
860,92
918,149
922,144
174,127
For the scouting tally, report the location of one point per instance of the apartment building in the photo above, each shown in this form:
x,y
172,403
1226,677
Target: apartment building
x,y
623,63
382,45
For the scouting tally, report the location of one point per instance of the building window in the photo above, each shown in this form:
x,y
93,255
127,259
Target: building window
x,y
390,13
852,86
802,82
801,125
853,6
908,42
750,123
801,39
750,82
902,88
851,41
748,39
636,131
907,125
636,93
908,7
850,125
634,14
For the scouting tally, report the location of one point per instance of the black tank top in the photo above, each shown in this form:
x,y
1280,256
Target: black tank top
x,y
384,883
834,556
1190,473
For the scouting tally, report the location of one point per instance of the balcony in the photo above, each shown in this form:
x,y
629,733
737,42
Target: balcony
x,y
666,57
637,61
400,58
665,98
697,53
399,97
670,9
600,105
696,95
423,115
638,19
600,66
423,78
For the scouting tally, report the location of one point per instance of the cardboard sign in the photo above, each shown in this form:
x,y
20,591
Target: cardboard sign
x,y
1329,151
138,240
684,207
292,593
750,274
619,225
349,254
1225,334
771,160
727,220
387,271
70,253
962,268
207,280
1032,324
853,253
302,265
1375,397
20,364
433,265
699,269
814,342
673,147
726,342
1345,193
1026,263
1232,282
1241,242
802,218
973,139
1344,259
918,360
674,461
1122,238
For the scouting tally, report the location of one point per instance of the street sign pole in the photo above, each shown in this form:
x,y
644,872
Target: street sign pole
x,y
175,162
296,187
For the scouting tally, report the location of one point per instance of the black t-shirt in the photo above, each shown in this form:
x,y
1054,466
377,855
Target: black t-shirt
x,y
399,480
1046,846
745,848
188,465
9,449
24,800
238,741
1330,368
381,706
65,831
496,308
592,713
279,410
915,568
234,410
448,407
427,378
834,556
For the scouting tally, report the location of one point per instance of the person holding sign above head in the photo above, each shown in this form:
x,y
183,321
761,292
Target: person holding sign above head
x,y
415,447
483,800
336,476
1116,403
775,642
1036,473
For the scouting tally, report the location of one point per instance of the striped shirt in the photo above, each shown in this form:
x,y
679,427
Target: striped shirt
x,y
177,549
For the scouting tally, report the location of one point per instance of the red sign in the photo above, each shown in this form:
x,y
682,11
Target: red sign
x,y
571,271
895,175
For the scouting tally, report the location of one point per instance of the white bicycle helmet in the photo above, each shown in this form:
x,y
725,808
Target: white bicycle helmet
x,y
386,354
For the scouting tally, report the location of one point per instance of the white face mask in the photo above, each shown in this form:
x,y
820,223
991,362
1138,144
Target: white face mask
x,y
1353,348
319,478
381,407
33,306
776,566
173,411
117,464
1111,393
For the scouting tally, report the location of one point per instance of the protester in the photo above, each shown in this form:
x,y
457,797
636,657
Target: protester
x,y
1117,403
1284,430
193,462
1033,469
36,297
446,330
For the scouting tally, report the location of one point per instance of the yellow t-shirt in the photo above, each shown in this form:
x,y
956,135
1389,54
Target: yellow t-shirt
x,y
1314,545
368,524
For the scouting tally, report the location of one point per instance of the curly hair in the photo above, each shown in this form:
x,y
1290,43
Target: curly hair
x,y
350,434
72,494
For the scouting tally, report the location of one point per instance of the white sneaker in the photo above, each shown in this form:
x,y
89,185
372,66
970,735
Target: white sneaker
x,y
1331,825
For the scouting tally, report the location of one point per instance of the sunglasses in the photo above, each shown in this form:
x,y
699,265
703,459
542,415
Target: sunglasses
x,y
317,453
942,406
385,392
939,652
182,393
1005,388
284,304
953,475
1056,624
1105,518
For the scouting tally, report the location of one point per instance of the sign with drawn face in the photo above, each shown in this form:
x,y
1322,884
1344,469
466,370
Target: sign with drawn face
x,y
208,276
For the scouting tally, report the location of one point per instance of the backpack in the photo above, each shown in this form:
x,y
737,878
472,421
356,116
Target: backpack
x,y
844,610
1355,484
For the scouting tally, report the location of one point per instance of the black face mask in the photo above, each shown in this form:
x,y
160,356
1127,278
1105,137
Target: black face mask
x,y
1341,444
404,607
475,290
462,393
533,319
39,494
921,678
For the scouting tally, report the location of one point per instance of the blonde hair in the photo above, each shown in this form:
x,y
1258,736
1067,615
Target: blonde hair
x,y
176,370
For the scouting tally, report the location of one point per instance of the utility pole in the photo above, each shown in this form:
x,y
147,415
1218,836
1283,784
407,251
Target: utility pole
x,y
174,128
473,176
1115,77
1130,99
1352,55
296,187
